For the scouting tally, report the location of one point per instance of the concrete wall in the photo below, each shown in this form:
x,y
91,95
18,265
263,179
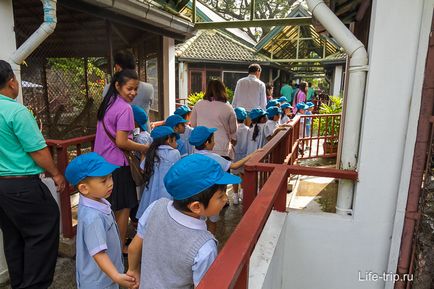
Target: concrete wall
x,y
333,251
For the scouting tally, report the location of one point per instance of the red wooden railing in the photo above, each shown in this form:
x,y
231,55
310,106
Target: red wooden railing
x,y
265,187
63,151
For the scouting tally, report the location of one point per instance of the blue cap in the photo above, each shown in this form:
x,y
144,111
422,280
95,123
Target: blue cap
x,y
310,104
200,134
282,99
272,102
182,110
162,131
256,113
241,113
272,111
87,165
302,105
174,120
140,116
195,173
285,105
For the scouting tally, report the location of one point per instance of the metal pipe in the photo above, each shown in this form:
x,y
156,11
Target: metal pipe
x,y
46,28
358,66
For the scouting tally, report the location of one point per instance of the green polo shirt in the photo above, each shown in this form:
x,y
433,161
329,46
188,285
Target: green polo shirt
x,y
19,135
286,91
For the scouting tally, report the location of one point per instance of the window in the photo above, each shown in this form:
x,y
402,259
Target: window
x,y
230,78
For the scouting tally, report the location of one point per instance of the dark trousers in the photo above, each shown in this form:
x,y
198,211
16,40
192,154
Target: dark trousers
x,y
29,219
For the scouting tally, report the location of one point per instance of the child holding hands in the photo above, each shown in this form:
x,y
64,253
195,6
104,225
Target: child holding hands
x,y
99,254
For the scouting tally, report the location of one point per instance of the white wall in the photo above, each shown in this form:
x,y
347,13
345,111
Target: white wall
x,y
326,250
169,81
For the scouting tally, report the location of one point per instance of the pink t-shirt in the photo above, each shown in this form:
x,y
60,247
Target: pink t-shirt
x,y
118,117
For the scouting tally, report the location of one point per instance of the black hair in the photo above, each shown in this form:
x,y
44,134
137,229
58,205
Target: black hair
x,y
203,197
185,115
256,128
254,68
6,73
121,78
152,157
240,120
202,146
125,59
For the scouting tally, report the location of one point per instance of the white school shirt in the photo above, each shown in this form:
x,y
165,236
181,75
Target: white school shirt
x,y
270,127
284,119
97,231
224,163
241,146
250,93
253,145
205,255
156,189
185,136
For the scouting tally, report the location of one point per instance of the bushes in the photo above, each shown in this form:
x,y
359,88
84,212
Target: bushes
x,y
329,125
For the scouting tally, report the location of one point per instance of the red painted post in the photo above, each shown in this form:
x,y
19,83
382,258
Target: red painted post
x,y
243,278
250,185
65,198
280,202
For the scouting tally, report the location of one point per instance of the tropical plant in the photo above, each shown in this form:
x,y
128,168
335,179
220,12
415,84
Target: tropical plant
x,y
329,125
193,98
230,94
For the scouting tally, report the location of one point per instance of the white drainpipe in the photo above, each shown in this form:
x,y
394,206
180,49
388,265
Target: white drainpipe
x,y
358,67
46,28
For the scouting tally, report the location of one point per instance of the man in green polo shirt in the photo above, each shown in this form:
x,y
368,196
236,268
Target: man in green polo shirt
x,y
287,91
29,216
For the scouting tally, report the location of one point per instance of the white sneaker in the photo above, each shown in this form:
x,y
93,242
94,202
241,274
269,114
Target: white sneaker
x,y
236,201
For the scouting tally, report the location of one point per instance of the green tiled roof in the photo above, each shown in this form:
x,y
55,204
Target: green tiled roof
x,y
212,45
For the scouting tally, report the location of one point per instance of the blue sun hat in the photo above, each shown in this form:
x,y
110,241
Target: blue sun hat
x,y
285,105
272,111
174,120
241,113
140,116
162,131
310,104
272,102
88,165
182,110
282,99
200,134
194,174
302,105
256,113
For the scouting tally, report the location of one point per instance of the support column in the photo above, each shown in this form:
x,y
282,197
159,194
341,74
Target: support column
x,y
7,47
169,76
183,79
337,80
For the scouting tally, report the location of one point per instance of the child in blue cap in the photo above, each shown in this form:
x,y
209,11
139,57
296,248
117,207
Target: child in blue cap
x,y
177,123
286,113
309,110
240,148
203,140
99,254
273,102
282,100
272,126
160,157
185,112
140,134
255,136
172,248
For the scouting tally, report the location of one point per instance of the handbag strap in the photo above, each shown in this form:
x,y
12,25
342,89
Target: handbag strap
x,y
113,140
